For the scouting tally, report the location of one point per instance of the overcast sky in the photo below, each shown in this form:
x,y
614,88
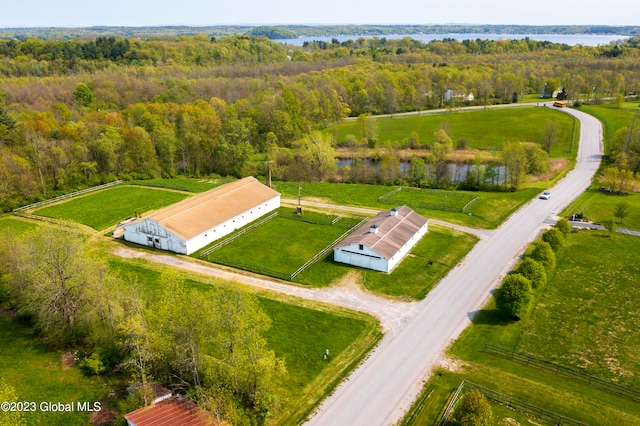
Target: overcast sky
x,y
84,13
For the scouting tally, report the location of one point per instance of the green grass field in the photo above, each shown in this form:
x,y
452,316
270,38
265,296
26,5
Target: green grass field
x,y
430,199
102,209
486,129
586,317
599,206
299,334
413,278
612,117
491,209
37,374
184,184
283,244
16,225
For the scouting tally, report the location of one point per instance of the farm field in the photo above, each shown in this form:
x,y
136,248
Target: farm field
x,y
283,244
299,334
585,318
491,208
477,127
102,209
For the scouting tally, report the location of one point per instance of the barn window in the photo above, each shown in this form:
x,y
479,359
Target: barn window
x,y
361,246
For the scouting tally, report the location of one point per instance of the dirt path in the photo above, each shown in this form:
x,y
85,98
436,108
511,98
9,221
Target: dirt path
x,y
392,314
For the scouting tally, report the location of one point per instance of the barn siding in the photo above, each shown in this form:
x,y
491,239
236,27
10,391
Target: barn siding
x,y
227,227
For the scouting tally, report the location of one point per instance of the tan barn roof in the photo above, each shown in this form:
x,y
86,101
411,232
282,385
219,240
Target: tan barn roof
x,y
170,412
393,232
195,215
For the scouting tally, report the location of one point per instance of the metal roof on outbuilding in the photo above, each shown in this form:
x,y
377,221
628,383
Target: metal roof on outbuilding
x,y
170,412
392,232
196,215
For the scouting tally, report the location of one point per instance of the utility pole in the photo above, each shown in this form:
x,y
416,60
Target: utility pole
x,y
269,172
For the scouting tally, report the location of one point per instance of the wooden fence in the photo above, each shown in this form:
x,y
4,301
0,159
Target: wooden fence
x,y
66,196
577,375
530,410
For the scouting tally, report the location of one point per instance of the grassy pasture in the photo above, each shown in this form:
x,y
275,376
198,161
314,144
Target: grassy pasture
x,y
38,374
283,244
586,317
430,199
16,225
413,278
488,212
299,334
102,209
486,129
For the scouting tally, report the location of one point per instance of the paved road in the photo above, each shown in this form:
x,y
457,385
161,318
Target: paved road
x,y
381,390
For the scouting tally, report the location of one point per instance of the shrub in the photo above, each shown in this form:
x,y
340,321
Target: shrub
x,y
473,410
554,237
564,226
533,271
543,253
515,295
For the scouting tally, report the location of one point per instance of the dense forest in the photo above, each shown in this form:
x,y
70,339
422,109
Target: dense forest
x,y
80,112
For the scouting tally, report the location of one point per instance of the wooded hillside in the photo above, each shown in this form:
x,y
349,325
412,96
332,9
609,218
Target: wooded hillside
x,y
76,113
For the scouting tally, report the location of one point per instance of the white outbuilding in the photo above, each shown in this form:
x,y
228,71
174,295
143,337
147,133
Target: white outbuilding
x,y
197,221
383,241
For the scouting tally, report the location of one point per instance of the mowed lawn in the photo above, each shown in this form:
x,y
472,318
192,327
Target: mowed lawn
x,y
486,129
599,206
414,277
586,317
283,244
102,209
489,211
431,199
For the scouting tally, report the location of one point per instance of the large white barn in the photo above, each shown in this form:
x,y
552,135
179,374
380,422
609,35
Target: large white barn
x,y
197,221
383,241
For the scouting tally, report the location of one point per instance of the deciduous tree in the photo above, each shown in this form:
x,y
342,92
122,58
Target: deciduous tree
x,y
472,410
533,271
515,296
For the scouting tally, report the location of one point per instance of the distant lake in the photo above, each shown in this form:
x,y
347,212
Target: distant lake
x,y
569,39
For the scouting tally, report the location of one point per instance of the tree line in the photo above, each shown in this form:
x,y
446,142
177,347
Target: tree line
x,y
77,113
209,347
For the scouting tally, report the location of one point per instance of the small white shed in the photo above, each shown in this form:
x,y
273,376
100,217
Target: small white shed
x,y
383,241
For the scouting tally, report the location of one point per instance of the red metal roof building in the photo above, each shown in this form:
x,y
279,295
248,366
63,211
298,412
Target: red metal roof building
x,y
173,411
